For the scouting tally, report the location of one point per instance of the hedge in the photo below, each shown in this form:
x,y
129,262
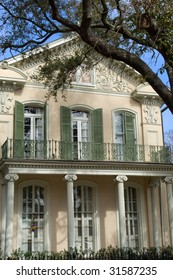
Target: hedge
x,y
110,253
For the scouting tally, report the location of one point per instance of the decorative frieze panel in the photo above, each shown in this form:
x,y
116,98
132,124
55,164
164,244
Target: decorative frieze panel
x,y
5,102
111,79
151,114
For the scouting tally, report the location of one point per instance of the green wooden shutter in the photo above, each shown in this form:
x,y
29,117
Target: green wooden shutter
x,y
97,135
97,126
129,128
45,130
66,143
130,146
18,130
45,121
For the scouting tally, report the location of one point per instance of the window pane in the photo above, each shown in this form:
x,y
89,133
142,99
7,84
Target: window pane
x,y
32,218
83,200
131,216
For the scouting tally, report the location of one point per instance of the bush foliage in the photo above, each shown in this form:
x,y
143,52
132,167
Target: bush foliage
x,y
109,253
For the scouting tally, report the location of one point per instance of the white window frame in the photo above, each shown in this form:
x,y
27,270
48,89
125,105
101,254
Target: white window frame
x,y
130,217
79,121
33,118
46,233
45,115
123,110
142,212
96,221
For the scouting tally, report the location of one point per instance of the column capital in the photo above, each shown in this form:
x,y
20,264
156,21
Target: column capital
x,y
3,181
11,177
70,177
154,183
121,178
168,180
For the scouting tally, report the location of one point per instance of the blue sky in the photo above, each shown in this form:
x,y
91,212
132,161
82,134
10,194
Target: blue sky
x,y
155,64
167,120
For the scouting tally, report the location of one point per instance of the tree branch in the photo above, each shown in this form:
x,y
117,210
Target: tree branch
x,y
135,62
170,75
29,42
57,17
24,19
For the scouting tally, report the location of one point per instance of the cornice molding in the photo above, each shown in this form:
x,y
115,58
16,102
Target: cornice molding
x,y
66,46
88,168
123,78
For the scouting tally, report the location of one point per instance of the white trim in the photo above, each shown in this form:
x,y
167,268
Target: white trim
x,y
141,206
143,211
31,168
3,199
36,102
50,45
81,107
116,110
47,227
96,210
117,223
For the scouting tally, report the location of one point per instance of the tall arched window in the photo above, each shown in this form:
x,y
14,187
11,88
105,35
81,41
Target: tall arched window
x,y
81,134
30,130
33,130
33,210
84,217
132,216
124,136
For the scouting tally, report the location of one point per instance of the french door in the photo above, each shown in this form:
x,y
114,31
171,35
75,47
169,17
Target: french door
x,y
84,218
125,139
33,131
80,134
33,208
132,217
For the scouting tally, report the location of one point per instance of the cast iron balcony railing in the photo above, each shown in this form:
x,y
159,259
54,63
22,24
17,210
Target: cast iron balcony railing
x,y
58,150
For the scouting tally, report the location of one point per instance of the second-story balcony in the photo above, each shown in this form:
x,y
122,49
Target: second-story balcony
x,y
86,151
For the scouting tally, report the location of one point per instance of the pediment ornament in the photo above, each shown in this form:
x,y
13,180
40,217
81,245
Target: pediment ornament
x,y
151,114
108,78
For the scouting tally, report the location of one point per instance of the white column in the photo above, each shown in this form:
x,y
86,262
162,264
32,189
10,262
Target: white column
x,y
121,210
169,181
11,178
70,209
3,216
155,203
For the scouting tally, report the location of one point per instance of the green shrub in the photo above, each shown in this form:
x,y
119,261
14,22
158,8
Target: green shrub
x,y
109,253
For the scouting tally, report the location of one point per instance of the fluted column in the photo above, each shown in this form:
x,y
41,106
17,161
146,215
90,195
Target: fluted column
x,y
154,185
169,181
121,209
11,178
3,216
70,209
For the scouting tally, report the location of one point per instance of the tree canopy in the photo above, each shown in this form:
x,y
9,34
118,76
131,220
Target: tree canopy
x,y
123,30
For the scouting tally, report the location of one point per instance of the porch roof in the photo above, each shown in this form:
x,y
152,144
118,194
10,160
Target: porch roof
x,y
62,167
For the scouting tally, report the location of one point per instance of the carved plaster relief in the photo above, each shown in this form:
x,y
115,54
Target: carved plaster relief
x,y
151,114
5,101
110,79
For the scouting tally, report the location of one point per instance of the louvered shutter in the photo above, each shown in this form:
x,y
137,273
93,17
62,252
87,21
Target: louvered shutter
x,y
130,141
129,128
66,143
97,135
18,146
